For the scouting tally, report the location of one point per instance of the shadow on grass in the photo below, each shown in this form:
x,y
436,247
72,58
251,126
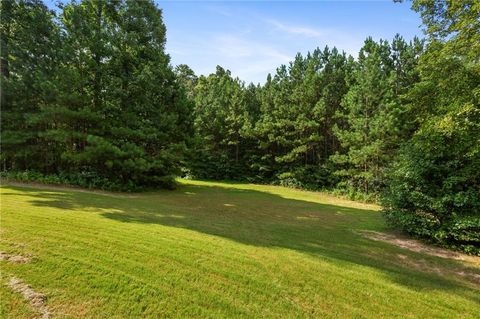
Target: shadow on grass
x,y
257,218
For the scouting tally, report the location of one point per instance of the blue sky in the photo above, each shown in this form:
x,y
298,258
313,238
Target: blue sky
x,y
253,38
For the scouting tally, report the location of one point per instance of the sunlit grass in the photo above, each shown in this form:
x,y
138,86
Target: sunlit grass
x,y
218,250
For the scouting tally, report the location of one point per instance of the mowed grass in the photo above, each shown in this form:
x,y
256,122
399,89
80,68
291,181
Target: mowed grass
x,y
219,250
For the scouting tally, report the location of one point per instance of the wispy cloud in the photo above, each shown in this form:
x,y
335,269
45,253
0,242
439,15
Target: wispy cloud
x,y
246,58
238,47
298,30
252,39
349,42
221,10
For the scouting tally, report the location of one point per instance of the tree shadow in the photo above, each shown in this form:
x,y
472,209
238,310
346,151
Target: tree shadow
x,y
263,219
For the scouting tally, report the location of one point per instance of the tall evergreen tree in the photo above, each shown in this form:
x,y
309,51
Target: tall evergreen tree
x,y
138,116
372,110
222,121
187,79
297,116
118,118
29,58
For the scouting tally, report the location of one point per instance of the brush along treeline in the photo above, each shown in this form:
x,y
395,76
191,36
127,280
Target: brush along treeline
x,y
89,98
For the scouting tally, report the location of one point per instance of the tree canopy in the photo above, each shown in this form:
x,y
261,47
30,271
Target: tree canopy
x,y
89,97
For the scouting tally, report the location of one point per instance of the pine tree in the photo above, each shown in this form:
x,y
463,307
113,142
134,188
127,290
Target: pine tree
x,y
92,96
373,113
297,115
222,124
29,40
137,114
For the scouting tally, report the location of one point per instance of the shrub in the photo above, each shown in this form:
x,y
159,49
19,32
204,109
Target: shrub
x,y
434,188
83,179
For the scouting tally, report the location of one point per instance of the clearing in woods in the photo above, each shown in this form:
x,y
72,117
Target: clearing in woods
x,y
218,250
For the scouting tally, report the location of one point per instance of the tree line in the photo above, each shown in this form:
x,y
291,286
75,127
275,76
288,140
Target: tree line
x,y
325,120
89,97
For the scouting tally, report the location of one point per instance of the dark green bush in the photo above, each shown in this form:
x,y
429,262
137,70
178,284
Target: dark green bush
x,y
434,188
86,180
461,233
288,179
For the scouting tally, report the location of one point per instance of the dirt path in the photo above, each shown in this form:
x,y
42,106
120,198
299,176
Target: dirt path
x,y
37,300
419,247
470,272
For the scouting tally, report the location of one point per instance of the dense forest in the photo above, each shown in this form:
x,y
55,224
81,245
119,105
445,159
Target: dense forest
x,y
89,97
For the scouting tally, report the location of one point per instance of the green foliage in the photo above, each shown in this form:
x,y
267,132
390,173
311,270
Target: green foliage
x,y
373,116
434,187
297,114
84,179
310,177
29,40
89,98
323,121
266,133
222,123
102,99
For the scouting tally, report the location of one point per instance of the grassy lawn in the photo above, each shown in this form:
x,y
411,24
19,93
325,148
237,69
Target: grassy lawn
x,y
219,250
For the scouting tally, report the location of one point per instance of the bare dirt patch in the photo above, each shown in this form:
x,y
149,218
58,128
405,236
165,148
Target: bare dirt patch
x,y
468,270
419,247
37,300
14,258
423,265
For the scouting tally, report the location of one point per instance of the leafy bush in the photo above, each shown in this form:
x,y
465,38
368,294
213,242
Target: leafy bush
x,y
288,179
207,164
311,177
434,188
82,179
354,193
461,233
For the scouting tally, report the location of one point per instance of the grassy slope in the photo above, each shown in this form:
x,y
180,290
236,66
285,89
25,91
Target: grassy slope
x,y
218,250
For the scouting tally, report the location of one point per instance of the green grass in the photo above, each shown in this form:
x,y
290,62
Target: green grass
x,y
219,250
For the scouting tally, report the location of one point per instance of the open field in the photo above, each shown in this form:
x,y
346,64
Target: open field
x,y
218,250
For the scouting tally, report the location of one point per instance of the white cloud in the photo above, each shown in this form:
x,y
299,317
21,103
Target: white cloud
x,y
232,47
308,38
248,59
240,47
252,53
221,10
299,30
